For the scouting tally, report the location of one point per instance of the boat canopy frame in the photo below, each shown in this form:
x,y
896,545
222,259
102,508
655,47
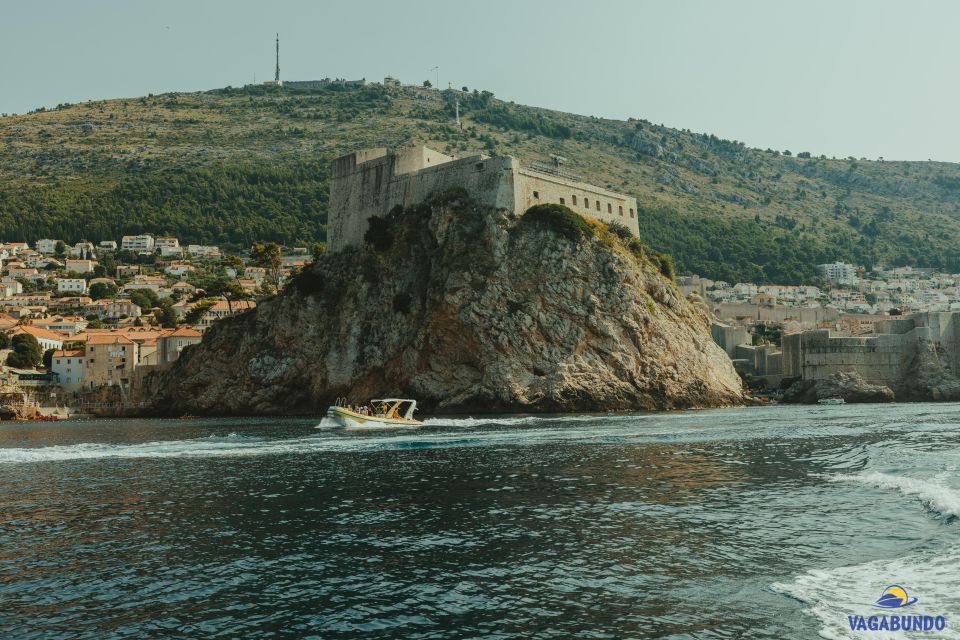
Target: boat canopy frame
x,y
392,407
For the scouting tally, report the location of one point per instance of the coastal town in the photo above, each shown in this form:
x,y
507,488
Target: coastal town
x,y
81,324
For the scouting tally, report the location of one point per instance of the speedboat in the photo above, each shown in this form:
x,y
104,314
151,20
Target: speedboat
x,y
380,414
831,401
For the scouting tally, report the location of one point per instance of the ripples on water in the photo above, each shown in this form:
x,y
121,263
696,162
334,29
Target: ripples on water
x,y
761,523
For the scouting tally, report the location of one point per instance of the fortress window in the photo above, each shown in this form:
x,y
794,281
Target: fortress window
x,y
586,203
561,201
609,208
598,205
621,210
536,195
574,200
631,213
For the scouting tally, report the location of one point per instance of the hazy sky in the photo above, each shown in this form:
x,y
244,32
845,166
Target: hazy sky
x,y
852,77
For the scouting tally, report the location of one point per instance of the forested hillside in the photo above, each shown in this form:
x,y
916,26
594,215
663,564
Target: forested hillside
x,y
236,165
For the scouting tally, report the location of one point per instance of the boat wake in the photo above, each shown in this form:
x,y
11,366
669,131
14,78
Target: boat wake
x,y
933,494
832,595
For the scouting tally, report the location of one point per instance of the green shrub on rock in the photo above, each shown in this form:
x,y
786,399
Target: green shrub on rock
x,y
559,219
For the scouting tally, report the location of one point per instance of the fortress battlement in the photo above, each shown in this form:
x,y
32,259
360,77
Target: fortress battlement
x,y
371,182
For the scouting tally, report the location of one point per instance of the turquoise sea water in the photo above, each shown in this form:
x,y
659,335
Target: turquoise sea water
x,y
749,523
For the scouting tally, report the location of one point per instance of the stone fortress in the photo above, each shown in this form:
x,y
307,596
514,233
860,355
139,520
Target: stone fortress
x,y
371,182
916,356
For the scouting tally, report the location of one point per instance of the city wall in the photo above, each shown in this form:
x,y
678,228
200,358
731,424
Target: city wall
x,y
884,358
807,317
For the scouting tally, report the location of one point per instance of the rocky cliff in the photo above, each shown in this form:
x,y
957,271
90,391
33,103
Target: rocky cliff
x,y
467,310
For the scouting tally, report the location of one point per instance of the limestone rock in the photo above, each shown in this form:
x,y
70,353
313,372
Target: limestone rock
x,y
467,310
847,385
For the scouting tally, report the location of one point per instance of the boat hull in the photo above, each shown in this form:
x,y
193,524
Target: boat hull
x,y
340,418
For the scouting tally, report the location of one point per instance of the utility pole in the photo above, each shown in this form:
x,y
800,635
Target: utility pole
x,y
437,69
276,74
456,101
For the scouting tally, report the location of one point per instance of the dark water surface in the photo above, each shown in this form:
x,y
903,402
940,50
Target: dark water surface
x,y
750,523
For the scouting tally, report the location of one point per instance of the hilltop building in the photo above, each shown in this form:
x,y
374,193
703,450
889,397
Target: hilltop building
x,y
371,182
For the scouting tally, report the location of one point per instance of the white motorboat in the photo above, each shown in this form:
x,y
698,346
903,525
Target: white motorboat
x,y
380,414
831,401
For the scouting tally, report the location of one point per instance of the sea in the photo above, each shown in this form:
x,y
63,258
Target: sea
x,y
763,522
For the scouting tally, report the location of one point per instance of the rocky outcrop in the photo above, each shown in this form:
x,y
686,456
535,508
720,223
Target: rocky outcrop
x,y
928,377
467,310
847,385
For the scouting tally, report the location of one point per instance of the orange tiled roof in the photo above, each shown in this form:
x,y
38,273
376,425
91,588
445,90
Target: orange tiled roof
x,y
38,332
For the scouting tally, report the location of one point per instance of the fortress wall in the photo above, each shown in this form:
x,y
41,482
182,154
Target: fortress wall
x,y
881,359
792,362
416,158
359,191
809,317
371,182
535,188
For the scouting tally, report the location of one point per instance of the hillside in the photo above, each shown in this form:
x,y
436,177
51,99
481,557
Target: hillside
x,y
236,165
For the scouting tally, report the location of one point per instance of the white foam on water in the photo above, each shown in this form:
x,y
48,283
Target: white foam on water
x,y
931,492
523,420
831,595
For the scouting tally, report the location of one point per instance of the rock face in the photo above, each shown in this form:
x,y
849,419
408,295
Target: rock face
x,y
928,377
466,310
847,385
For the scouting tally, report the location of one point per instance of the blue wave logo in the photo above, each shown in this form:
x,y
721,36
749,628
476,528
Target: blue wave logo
x,y
894,597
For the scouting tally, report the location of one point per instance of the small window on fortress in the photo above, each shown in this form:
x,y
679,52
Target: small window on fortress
x,y
609,208
574,200
561,201
631,213
598,205
586,203
536,195
621,210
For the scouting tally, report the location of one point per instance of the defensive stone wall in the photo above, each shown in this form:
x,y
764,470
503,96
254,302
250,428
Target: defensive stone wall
x,y
371,182
533,187
807,317
884,358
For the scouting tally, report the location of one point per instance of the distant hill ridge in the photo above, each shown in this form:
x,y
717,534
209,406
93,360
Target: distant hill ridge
x,y
232,166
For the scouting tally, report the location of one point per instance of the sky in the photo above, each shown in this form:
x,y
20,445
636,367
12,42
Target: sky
x,y
863,78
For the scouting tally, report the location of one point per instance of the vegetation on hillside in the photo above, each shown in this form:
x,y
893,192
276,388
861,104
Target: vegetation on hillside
x,y
235,166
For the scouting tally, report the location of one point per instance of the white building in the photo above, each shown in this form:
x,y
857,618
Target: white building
x,y
80,266
839,273
84,250
68,365
71,285
203,251
168,242
171,252
46,245
107,245
141,244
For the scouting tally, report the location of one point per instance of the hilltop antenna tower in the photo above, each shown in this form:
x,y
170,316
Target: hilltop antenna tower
x,y
276,73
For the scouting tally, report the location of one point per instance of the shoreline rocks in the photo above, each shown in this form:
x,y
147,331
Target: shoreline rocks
x,y
848,385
